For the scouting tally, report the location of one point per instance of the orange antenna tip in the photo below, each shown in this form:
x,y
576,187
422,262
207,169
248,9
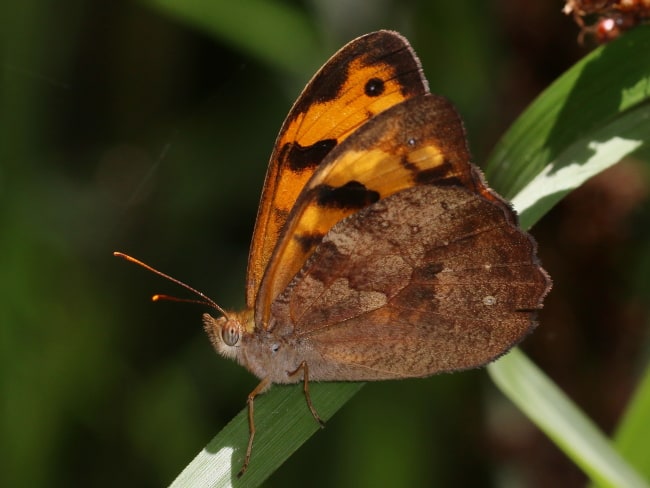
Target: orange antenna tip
x,y
205,300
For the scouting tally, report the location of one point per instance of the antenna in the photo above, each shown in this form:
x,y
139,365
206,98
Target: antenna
x,y
205,300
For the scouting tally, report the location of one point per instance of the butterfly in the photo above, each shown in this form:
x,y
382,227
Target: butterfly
x,y
379,252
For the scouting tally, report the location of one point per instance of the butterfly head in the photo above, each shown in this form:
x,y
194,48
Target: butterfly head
x,y
226,332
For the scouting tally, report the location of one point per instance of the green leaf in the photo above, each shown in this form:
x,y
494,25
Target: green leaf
x,y
283,423
632,436
293,48
585,122
577,107
549,408
579,161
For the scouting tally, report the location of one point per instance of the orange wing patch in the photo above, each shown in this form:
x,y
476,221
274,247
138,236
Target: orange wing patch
x,y
363,79
419,142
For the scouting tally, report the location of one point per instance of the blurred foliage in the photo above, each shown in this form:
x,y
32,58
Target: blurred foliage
x,y
126,126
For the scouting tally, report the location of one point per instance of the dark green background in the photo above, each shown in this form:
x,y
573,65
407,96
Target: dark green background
x,y
124,127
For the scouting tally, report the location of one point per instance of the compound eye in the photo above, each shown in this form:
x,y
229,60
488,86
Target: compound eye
x,y
230,334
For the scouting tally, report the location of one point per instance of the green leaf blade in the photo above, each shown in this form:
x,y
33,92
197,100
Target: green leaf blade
x,y
292,48
609,81
631,438
283,424
549,408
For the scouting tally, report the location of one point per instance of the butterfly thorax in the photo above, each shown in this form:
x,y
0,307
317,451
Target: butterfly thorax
x,y
266,354
272,356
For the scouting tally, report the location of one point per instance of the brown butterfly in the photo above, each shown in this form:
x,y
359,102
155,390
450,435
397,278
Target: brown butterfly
x,y
379,252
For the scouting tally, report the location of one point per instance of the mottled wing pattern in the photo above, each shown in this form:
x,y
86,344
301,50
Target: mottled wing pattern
x,y
430,279
418,142
364,78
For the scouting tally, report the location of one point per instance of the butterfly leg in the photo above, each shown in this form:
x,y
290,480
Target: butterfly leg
x,y
261,388
305,388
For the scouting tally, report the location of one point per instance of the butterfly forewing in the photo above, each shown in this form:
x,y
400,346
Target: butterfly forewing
x,y
418,142
366,77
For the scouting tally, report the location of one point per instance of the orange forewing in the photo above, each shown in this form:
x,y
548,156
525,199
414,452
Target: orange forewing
x,y
366,77
390,153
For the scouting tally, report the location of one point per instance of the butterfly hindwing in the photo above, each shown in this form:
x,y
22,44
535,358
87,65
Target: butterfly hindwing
x,y
366,77
430,279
